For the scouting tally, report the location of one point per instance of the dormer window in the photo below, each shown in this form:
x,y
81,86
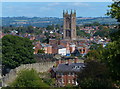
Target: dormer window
x,y
69,74
76,67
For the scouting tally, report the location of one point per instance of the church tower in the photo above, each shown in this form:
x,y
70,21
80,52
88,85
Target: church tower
x,y
69,25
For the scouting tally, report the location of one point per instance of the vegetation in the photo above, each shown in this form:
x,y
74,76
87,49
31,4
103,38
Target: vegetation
x,y
114,12
41,51
104,73
46,77
95,53
111,57
28,78
21,30
94,75
44,22
16,51
102,67
82,33
102,32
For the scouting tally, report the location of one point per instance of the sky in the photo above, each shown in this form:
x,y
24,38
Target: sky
x,y
53,9
56,0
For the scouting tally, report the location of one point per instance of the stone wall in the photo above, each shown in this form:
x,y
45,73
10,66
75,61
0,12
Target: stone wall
x,y
39,67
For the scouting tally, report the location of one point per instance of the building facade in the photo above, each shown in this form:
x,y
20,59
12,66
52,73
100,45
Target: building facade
x,y
65,73
69,25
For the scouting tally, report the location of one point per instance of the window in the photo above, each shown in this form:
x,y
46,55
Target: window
x,y
73,74
69,74
77,67
73,81
68,80
62,80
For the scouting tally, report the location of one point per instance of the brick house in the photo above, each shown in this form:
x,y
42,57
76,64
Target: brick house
x,y
66,73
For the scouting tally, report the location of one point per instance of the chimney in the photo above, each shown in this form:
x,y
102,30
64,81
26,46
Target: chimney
x,y
75,60
62,61
58,62
68,61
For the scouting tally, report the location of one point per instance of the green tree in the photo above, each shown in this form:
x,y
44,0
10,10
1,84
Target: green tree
x,y
16,51
114,11
112,58
28,78
57,26
94,75
95,53
50,27
41,51
96,24
112,50
82,33
102,33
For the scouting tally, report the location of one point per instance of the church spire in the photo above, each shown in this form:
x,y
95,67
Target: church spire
x,y
63,12
67,12
71,11
74,11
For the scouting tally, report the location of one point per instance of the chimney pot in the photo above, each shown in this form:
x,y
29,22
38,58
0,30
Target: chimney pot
x,y
68,61
75,60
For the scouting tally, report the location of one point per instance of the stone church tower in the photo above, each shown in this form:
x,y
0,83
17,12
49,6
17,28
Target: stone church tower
x,y
69,26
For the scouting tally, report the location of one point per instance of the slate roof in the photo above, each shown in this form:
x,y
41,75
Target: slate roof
x,y
73,67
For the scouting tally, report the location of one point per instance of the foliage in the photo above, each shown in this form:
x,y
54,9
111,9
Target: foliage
x,y
92,55
82,33
95,46
97,75
41,51
112,58
102,33
114,12
46,77
28,78
50,27
16,51
112,50
28,29
95,53
115,35
44,22
0,59
49,81
93,24
89,83
94,75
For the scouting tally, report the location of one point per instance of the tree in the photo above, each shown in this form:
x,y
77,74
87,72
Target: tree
x,y
112,58
28,78
57,26
41,51
114,12
112,50
96,24
16,51
102,33
95,52
94,75
50,27
82,33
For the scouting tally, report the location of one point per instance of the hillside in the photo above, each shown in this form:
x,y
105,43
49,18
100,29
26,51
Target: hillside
x,y
43,22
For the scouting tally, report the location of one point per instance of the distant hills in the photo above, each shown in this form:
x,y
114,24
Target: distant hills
x,y
43,22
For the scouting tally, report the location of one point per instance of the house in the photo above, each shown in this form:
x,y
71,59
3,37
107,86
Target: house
x,y
66,73
46,47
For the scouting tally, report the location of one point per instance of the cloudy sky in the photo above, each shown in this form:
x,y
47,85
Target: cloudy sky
x,y
53,9
56,0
